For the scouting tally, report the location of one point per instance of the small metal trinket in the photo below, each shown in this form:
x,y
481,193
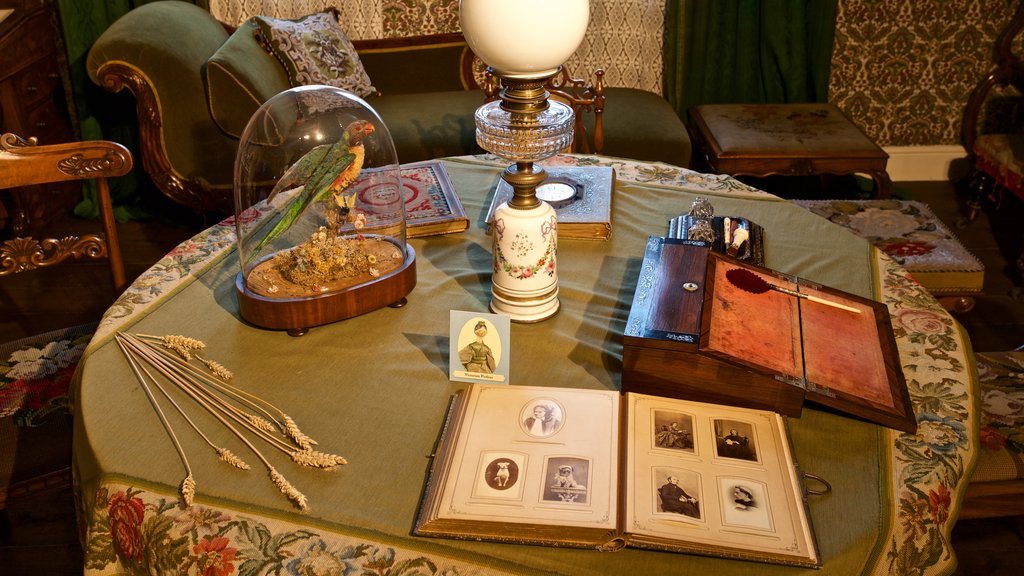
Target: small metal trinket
x,y
702,231
690,286
701,208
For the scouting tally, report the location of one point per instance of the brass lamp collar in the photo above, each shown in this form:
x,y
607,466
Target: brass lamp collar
x,y
524,177
523,95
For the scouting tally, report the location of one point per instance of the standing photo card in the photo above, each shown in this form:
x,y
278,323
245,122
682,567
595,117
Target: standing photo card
x,y
480,347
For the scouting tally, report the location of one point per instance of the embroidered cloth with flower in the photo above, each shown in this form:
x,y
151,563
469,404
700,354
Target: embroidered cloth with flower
x,y
909,232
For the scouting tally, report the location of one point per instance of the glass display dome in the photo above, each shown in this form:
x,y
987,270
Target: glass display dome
x,y
319,212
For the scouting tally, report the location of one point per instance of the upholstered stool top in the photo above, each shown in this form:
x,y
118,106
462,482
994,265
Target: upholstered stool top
x,y
784,129
785,139
911,233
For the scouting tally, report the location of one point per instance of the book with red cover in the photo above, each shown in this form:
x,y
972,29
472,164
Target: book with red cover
x,y
431,203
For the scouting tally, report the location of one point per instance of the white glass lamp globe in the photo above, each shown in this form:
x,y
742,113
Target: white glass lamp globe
x,y
524,38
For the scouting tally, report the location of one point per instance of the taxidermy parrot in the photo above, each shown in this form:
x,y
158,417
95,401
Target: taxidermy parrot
x,y
326,169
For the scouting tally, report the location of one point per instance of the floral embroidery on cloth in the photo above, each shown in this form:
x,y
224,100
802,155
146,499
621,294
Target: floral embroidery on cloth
x,y
1002,404
35,374
133,531
927,468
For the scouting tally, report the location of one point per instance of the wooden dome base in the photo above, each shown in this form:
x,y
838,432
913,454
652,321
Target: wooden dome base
x,y
298,315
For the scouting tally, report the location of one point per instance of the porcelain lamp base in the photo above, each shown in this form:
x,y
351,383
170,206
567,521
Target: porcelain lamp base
x,y
524,285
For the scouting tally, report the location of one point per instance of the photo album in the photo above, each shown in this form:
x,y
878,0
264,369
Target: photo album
x,y
591,468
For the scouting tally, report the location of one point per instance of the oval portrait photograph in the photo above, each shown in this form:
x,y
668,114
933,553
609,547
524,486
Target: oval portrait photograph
x,y
542,417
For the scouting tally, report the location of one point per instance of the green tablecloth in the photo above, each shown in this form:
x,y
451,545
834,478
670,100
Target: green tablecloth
x,y
375,389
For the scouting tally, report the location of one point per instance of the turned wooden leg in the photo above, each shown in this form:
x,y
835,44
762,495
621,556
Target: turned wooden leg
x,y
883,184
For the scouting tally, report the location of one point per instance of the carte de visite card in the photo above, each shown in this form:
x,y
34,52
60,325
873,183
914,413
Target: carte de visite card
x,y
480,347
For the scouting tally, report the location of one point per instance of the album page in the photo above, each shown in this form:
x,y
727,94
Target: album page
x,y
715,480
526,464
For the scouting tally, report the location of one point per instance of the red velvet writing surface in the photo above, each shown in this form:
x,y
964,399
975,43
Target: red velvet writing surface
x,y
841,349
760,329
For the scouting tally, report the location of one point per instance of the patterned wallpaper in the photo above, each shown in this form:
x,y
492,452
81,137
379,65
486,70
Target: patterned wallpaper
x,y
903,69
624,36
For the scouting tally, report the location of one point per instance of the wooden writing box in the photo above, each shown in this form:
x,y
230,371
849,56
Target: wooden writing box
x,y
692,334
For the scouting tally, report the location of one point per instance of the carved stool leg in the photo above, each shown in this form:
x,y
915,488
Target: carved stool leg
x,y
883,184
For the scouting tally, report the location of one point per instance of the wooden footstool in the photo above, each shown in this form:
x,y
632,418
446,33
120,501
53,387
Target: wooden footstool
x,y
784,139
915,237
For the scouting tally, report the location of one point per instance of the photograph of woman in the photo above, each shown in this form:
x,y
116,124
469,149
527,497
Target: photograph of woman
x,y
544,419
477,356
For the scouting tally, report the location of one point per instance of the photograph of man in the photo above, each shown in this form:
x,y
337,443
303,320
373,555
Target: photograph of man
x,y
543,421
674,499
734,440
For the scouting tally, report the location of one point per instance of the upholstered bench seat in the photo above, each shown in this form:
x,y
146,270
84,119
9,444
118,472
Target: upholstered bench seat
x,y
911,233
996,486
801,139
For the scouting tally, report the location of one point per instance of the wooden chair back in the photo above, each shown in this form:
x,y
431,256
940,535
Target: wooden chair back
x,y
25,163
575,92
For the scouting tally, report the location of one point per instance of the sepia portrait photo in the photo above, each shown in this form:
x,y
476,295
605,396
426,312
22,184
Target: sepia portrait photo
x,y
500,475
479,347
542,417
745,503
735,439
566,479
673,431
677,493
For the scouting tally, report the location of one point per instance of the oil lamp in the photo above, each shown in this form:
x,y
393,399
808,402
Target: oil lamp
x,y
524,42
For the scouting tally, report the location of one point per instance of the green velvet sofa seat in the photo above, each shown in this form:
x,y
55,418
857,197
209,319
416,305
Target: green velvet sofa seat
x,y
196,85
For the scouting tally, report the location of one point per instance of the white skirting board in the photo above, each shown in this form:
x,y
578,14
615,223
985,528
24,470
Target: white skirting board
x,y
918,163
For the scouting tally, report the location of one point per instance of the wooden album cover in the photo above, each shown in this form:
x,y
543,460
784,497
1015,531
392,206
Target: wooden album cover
x,y
591,468
580,195
750,336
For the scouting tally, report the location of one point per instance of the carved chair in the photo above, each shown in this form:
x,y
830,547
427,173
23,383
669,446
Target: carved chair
x,y
991,130
992,133
25,163
575,92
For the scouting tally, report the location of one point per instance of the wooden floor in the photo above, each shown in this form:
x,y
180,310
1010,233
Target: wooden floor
x,y
40,537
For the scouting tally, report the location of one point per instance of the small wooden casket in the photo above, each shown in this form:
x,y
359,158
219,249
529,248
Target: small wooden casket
x,y
693,333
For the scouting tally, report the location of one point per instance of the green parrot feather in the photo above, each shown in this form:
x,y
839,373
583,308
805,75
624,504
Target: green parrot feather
x,y
319,169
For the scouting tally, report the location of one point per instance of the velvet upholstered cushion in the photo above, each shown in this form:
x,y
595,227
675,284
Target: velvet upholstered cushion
x,y
240,77
642,125
314,49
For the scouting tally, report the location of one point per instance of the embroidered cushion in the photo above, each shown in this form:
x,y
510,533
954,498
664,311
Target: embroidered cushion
x,y
314,49
1002,416
239,77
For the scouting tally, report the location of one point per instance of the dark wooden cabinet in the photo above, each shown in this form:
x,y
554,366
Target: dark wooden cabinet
x,y
35,101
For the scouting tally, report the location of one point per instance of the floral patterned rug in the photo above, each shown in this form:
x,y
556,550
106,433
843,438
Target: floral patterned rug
x,y
35,407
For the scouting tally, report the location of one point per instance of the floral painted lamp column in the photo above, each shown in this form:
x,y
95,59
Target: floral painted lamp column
x,y
524,42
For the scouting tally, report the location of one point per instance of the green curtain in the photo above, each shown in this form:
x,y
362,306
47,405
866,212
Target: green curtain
x,y
101,114
747,51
